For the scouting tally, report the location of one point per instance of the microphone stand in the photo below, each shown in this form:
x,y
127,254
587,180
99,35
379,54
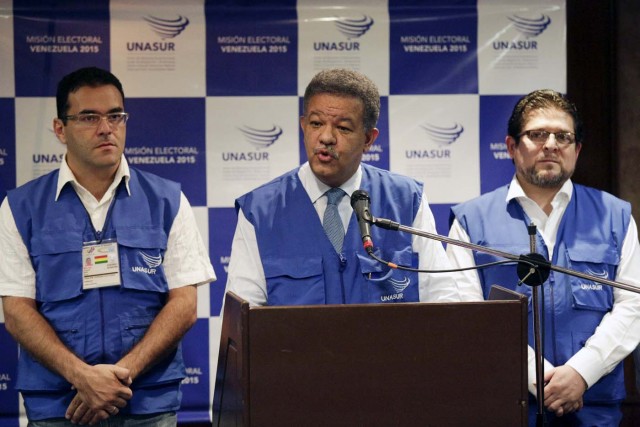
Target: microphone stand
x,y
533,269
537,262
537,330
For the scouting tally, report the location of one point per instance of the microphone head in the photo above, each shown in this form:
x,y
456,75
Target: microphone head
x,y
357,196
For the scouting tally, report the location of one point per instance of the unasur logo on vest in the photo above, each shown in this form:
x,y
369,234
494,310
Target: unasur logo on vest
x,y
260,138
351,28
592,286
530,28
166,29
152,263
442,136
398,286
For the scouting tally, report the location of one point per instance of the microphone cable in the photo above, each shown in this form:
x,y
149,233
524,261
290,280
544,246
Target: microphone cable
x,y
534,267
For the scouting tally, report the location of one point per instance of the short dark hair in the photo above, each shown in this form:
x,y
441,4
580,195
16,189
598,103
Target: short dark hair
x,y
343,82
88,76
543,99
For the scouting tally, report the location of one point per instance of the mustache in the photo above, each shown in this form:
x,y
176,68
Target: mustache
x,y
329,149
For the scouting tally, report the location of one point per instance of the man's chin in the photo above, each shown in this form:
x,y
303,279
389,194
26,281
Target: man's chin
x,y
549,180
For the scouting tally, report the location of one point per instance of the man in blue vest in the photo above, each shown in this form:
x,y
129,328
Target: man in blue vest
x,y
588,327
298,244
99,273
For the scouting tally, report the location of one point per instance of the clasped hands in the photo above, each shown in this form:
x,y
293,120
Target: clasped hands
x,y
563,390
101,392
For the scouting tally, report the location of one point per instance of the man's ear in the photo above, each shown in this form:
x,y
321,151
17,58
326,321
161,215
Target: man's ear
x,y
370,139
59,129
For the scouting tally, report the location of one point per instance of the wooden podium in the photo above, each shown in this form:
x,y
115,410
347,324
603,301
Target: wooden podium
x,y
416,364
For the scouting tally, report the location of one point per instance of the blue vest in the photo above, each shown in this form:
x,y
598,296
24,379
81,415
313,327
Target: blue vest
x,y
589,240
300,264
99,325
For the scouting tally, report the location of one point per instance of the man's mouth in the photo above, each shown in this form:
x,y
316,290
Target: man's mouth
x,y
326,151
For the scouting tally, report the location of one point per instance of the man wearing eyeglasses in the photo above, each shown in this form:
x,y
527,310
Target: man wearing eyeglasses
x,y
99,273
588,327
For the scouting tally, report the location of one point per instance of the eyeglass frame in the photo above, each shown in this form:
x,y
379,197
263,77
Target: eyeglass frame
x,y
124,117
560,143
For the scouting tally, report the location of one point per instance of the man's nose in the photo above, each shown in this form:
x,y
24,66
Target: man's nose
x,y
104,126
327,137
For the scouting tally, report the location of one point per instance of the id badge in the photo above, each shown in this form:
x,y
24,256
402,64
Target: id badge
x,y
100,264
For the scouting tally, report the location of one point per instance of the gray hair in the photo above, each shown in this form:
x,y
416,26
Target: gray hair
x,y
343,82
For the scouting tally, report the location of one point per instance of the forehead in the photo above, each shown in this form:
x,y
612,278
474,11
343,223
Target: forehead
x,y
337,106
98,97
548,118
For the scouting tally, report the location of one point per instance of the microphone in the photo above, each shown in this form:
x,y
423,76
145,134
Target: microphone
x,y
360,204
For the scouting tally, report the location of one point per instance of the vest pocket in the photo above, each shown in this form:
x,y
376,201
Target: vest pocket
x,y
57,260
33,376
588,294
141,256
385,284
294,280
133,329
169,369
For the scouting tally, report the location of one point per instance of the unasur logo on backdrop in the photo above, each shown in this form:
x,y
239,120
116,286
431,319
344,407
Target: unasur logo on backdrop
x,y
167,28
354,28
529,28
443,136
260,138
351,28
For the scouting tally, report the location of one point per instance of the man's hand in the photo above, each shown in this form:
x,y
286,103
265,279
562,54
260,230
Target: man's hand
x,y
102,391
563,390
79,413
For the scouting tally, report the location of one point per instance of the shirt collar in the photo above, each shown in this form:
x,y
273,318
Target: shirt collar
x,y
562,196
316,188
66,176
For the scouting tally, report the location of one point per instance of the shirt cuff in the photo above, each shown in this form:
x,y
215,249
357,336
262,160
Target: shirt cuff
x,y
587,363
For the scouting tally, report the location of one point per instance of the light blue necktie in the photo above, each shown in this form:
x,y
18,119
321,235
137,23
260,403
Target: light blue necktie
x,y
331,222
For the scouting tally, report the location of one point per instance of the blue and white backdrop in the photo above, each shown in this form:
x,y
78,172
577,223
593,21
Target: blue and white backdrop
x,y
214,87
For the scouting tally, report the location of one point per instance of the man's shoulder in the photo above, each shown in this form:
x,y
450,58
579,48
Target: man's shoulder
x,y
275,185
600,196
499,194
151,181
150,176
372,172
28,187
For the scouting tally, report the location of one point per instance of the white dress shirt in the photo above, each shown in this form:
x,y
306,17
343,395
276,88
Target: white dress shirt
x,y
186,261
246,274
619,331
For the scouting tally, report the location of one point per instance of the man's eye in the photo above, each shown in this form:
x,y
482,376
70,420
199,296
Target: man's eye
x,y
89,118
538,134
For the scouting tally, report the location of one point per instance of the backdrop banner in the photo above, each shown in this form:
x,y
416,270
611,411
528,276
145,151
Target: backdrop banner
x,y
214,95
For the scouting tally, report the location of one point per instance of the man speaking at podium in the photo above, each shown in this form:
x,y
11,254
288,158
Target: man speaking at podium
x,y
588,327
297,241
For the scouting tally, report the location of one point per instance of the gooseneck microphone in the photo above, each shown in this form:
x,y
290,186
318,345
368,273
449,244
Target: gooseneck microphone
x,y
360,204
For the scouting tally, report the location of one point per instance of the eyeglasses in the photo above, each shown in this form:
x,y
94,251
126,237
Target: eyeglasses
x,y
94,119
540,136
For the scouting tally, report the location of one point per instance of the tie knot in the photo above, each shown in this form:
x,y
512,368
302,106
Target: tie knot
x,y
334,195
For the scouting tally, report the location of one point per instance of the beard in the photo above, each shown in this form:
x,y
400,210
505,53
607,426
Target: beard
x,y
545,179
